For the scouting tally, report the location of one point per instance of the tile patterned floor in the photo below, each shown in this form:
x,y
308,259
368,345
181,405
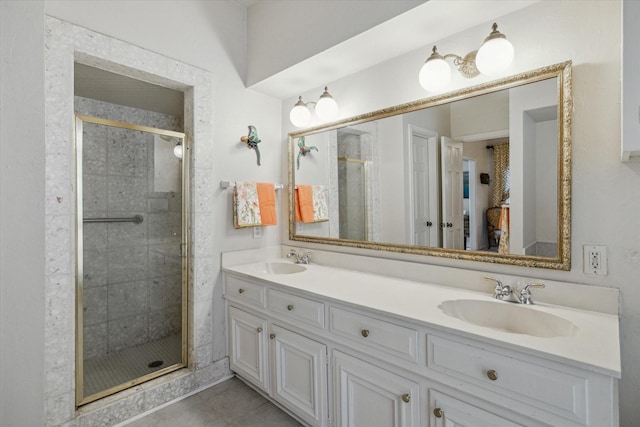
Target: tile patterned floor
x,y
228,404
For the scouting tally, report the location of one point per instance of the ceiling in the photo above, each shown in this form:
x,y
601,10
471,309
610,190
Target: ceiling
x,y
94,83
414,29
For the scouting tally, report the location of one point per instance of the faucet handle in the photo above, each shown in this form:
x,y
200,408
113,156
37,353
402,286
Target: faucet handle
x,y
525,293
500,290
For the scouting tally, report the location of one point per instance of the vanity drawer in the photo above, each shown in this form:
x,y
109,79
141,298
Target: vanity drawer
x,y
296,308
553,390
245,292
384,336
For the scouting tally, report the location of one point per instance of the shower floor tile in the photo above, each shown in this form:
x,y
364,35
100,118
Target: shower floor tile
x,y
228,404
104,372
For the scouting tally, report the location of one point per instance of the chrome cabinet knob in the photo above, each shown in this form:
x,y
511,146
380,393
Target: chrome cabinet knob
x,y
492,375
365,332
438,413
290,307
241,291
272,336
406,398
259,330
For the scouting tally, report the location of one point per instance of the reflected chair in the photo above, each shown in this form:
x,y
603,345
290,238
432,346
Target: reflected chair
x,y
493,226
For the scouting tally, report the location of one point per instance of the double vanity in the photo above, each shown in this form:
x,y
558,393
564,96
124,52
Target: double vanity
x,y
338,347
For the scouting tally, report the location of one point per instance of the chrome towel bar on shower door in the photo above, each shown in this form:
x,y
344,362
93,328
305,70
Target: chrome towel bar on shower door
x,y
135,219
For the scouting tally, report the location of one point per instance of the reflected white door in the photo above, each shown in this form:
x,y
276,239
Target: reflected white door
x,y
452,216
424,184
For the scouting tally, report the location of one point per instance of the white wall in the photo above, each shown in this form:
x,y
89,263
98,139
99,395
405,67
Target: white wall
x,y
605,196
22,231
214,40
392,196
630,71
522,156
546,184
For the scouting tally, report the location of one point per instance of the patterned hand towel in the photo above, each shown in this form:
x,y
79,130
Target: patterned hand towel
x,y
320,209
267,202
246,208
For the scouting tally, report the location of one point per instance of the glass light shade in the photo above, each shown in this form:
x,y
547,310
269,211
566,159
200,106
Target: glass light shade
x,y
178,151
435,74
327,107
300,116
494,56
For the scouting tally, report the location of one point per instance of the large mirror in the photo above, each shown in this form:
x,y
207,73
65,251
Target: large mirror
x,y
481,174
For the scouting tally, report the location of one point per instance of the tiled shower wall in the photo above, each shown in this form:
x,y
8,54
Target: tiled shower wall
x,y
132,272
65,44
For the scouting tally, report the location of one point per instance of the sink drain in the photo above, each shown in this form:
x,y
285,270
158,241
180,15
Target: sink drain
x,y
155,363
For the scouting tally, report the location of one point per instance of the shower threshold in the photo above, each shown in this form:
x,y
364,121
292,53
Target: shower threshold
x,y
104,372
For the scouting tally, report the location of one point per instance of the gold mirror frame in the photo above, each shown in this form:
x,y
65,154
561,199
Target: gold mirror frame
x,y
562,261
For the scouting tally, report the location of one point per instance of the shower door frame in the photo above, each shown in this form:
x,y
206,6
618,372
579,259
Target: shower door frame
x,y
184,252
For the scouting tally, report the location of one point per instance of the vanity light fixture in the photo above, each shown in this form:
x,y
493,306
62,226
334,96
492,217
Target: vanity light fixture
x,y
326,110
495,54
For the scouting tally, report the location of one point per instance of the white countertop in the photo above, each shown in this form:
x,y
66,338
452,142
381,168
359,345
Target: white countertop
x,y
594,346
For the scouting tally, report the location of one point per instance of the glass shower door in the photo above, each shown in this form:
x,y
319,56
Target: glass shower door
x,y
131,261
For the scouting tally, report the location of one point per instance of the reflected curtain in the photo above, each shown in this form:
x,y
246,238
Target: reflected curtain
x,y
501,174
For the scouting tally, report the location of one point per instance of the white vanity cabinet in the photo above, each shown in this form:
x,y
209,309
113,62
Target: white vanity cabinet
x,y
248,347
287,366
366,395
448,411
299,374
332,362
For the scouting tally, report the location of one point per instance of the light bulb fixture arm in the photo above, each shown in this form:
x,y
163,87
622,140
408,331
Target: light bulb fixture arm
x,y
326,109
486,60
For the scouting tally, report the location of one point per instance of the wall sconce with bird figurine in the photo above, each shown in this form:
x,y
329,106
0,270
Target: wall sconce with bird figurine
x,y
303,150
252,141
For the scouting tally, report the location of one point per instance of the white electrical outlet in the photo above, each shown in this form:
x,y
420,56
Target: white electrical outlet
x,y
257,232
594,260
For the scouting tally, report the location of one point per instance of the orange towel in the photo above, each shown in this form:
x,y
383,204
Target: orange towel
x,y
304,203
267,203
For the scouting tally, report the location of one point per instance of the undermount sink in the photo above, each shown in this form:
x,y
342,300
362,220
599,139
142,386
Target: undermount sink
x,y
280,268
509,317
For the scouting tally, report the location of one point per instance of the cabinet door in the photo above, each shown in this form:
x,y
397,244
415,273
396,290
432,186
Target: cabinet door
x,y
366,395
447,411
299,378
248,345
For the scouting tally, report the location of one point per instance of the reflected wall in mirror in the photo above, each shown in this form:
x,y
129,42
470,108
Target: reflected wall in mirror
x,y
407,178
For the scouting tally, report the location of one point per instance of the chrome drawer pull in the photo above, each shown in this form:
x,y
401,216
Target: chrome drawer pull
x,y
406,398
365,332
438,413
493,375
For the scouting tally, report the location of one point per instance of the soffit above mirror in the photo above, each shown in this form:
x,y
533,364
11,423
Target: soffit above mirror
x,y
434,20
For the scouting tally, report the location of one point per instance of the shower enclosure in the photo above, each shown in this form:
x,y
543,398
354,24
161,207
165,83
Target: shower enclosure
x,y
132,255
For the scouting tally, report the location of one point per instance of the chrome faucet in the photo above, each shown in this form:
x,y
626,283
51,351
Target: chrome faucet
x,y
525,293
506,293
300,258
501,292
